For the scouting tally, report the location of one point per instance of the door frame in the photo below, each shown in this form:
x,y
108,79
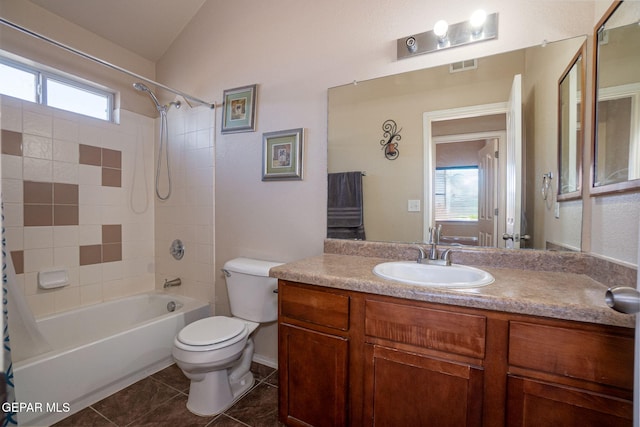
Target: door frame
x,y
430,150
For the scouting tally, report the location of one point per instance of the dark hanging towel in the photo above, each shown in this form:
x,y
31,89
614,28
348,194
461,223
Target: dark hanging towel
x,y
344,206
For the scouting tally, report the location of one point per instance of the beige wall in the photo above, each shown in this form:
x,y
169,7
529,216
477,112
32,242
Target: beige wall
x,y
36,19
295,51
544,67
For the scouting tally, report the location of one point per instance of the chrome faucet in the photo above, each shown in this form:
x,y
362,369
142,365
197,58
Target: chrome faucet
x,y
432,258
434,239
171,283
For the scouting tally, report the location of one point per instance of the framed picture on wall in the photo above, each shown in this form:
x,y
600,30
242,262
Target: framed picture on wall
x,y
282,155
239,113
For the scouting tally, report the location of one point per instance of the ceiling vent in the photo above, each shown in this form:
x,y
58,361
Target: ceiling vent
x,y
469,64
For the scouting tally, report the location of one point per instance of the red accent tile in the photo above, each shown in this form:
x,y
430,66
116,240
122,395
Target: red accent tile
x,y
111,233
111,177
65,194
66,215
90,254
111,158
90,155
112,252
11,142
38,215
18,261
37,192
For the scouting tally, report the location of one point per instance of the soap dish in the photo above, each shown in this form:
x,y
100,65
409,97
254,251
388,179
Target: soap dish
x,y
54,278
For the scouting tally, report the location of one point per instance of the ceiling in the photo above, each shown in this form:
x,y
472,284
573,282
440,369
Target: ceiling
x,y
145,27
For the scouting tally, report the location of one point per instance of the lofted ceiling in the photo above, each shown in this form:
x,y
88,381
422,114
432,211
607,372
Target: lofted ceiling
x,y
145,27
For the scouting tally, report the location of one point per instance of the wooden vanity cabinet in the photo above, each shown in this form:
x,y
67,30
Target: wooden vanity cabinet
x,y
423,366
313,362
350,358
569,374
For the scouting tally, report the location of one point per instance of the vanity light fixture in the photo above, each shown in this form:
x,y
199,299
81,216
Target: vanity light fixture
x,y
477,20
440,30
480,27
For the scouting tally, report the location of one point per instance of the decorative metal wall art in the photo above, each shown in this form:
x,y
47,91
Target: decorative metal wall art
x,y
391,133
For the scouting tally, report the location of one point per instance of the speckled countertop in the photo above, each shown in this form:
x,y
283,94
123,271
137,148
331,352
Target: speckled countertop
x,y
555,294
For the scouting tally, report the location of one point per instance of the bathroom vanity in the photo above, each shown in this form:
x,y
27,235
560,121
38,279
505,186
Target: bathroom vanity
x,y
534,348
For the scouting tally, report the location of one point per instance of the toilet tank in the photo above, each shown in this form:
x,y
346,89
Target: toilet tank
x,y
251,290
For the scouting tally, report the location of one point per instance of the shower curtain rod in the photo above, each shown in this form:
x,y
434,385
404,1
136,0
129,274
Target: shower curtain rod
x,y
102,62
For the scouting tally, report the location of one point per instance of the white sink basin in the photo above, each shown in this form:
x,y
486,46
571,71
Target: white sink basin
x,y
441,276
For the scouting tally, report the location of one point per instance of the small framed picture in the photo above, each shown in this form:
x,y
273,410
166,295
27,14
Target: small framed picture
x,y
282,155
239,113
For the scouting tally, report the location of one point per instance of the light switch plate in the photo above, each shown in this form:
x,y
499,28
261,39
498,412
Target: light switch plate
x,y
413,206
557,211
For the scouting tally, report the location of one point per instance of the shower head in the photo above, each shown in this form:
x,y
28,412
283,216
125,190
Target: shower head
x,y
143,88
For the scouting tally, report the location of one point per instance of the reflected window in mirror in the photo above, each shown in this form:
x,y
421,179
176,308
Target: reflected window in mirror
x,y
616,147
570,128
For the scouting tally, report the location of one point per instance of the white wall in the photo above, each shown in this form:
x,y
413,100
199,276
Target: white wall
x,y
294,50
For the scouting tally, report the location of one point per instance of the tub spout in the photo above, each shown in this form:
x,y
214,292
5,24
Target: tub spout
x,y
172,283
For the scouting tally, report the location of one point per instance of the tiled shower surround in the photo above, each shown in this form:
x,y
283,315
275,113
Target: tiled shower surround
x,y
78,193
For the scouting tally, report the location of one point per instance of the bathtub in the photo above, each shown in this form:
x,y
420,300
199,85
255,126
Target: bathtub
x,y
98,350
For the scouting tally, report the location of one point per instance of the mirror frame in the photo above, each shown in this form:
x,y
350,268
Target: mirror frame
x,y
581,56
625,186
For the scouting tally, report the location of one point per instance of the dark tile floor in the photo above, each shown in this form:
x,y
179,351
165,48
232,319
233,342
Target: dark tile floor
x,y
161,399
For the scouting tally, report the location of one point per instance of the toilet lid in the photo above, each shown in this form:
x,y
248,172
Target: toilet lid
x,y
211,330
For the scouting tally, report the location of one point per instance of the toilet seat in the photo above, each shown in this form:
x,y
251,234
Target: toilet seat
x,y
211,333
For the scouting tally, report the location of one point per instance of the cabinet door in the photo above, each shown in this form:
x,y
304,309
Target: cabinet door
x,y
534,403
312,377
405,389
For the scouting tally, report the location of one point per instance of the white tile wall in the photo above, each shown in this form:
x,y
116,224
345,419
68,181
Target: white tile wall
x,y
50,153
188,214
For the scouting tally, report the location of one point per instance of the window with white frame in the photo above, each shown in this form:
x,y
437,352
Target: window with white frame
x,y
456,193
41,86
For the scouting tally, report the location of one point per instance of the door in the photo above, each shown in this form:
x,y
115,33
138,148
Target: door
x,y
514,165
430,142
488,194
627,300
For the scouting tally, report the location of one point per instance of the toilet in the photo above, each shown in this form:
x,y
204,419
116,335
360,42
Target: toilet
x,y
215,353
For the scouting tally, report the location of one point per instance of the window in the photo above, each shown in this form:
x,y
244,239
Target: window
x,y
34,84
18,82
456,197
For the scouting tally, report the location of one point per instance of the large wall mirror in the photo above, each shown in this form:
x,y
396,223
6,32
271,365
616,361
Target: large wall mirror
x,y
616,147
571,89
452,121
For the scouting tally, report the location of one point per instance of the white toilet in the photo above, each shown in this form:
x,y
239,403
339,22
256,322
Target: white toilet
x,y
215,353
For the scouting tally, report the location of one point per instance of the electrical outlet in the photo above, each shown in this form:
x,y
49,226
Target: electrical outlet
x,y
413,206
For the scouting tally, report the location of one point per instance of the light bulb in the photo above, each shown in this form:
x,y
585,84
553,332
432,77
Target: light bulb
x,y
440,29
477,20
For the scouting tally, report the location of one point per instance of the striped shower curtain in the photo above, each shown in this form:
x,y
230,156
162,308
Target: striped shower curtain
x,y
8,418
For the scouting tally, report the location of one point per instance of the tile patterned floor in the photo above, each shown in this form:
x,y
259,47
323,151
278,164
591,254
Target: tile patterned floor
x,y
161,399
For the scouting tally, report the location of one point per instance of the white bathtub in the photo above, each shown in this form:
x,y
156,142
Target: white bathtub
x,y
98,350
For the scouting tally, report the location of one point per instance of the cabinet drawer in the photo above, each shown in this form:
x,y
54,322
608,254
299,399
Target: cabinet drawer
x,y
587,355
457,333
314,306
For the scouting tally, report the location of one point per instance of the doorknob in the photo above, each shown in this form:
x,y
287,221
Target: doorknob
x,y
515,237
623,299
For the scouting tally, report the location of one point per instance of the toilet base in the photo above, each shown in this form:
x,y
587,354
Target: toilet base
x,y
215,393
218,390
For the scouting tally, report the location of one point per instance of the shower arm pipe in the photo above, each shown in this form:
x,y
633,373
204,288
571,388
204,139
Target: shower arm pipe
x,y
102,62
